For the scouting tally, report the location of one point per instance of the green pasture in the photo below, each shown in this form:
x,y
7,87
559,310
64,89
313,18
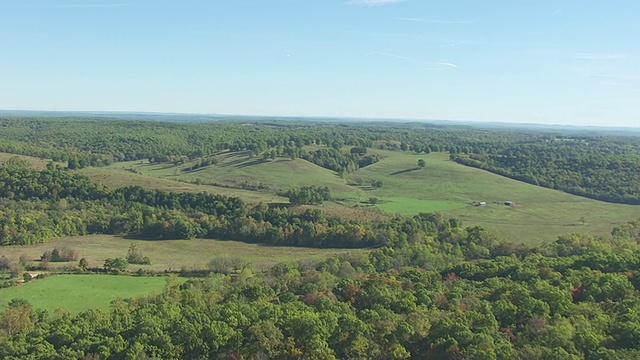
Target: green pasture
x,y
236,169
540,214
412,206
442,185
77,293
116,176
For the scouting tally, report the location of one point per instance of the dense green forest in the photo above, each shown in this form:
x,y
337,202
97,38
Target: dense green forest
x,y
428,287
39,205
604,169
575,298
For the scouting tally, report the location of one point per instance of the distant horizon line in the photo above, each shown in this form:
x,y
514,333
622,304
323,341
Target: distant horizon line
x,y
328,118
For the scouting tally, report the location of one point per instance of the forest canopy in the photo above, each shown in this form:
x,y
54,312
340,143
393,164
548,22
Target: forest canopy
x,y
423,287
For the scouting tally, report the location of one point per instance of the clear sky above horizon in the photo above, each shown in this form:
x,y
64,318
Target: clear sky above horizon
x,y
551,62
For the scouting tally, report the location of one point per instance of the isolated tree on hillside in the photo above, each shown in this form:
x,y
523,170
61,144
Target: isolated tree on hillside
x,y
421,163
134,256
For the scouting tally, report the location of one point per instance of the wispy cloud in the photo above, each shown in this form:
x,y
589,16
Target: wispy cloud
x,y
598,56
447,64
608,76
374,2
435,21
406,58
619,76
448,45
93,5
374,53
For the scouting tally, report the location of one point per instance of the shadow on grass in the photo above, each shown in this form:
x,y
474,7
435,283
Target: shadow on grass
x,y
232,162
279,205
250,163
404,171
163,166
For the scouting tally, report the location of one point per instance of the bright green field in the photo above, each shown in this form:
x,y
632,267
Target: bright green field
x,y
410,206
77,293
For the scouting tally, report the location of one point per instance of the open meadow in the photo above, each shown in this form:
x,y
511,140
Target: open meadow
x,y
78,293
238,171
172,255
34,162
539,214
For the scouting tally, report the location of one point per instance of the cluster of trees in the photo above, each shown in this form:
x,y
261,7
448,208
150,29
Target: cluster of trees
x,y
19,182
62,254
203,162
120,264
135,256
308,195
575,298
116,264
342,163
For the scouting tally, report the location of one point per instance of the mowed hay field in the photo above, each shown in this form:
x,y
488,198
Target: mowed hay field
x,y
77,293
35,162
442,185
115,176
172,255
236,169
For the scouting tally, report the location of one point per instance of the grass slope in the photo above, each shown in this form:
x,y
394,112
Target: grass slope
x,y
442,185
77,293
115,176
35,162
171,254
238,169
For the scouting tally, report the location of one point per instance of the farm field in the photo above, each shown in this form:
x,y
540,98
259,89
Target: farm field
x,y
35,162
236,169
171,255
115,176
442,185
78,293
540,214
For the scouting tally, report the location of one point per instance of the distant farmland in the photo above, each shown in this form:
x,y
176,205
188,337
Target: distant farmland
x,y
540,214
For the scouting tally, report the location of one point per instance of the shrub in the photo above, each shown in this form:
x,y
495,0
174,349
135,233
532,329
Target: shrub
x,y
62,254
134,256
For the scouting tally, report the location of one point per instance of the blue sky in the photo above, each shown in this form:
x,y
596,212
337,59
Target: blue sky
x,y
561,62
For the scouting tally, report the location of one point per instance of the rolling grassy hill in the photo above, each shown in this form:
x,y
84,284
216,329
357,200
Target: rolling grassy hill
x,y
34,162
443,186
540,214
115,176
238,170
